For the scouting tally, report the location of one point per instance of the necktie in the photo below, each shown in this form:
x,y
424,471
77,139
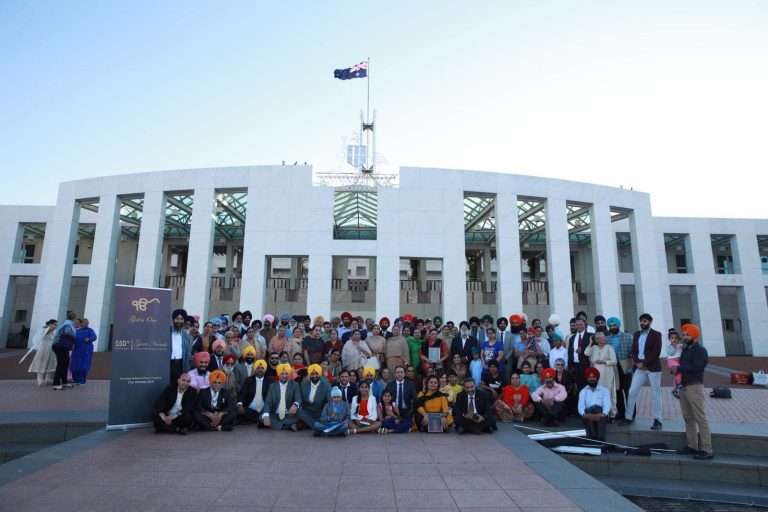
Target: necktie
x,y
281,408
259,396
214,399
472,404
400,401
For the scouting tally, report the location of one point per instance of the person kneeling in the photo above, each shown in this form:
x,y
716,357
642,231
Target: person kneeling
x,y
334,421
594,402
173,408
215,406
472,412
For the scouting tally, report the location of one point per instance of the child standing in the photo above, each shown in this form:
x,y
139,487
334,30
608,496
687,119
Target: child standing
x,y
476,366
674,350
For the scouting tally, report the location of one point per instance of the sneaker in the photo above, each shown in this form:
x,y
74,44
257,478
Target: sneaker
x,y
67,386
675,394
686,451
656,425
294,427
58,388
704,456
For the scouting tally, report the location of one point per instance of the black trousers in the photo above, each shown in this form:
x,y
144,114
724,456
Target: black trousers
x,y
62,366
204,423
249,416
595,429
474,427
176,369
557,412
625,380
181,421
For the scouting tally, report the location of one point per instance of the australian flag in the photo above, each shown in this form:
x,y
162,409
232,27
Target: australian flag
x,y
356,71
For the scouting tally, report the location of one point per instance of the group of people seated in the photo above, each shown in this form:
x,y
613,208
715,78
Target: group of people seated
x,y
338,378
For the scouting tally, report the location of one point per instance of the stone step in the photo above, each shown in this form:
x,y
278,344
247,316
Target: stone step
x,y
12,451
723,469
746,495
48,432
722,443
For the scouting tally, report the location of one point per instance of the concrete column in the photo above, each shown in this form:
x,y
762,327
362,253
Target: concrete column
x,y
254,282
340,271
387,287
509,279
101,280
372,274
752,302
706,301
421,265
487,268
228,263
387,261
149,260
454,294
559,261
55,278
604,263
321,267
645,263
294,273
197,288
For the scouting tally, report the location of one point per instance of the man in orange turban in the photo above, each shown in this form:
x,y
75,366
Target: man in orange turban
x,y
693,361
215,405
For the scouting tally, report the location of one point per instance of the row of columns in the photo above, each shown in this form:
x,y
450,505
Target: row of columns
x,y
55,277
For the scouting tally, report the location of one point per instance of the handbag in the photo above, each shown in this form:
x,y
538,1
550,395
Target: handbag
x,y
760,378
720,392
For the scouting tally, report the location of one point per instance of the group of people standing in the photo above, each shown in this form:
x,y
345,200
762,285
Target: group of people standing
x,y
63,352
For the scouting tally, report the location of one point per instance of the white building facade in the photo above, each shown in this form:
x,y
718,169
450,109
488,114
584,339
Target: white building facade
x,y
442,242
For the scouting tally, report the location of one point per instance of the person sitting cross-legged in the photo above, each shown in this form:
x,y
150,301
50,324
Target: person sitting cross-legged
x,y
283,402
550,400
215,406
314,395
472,412
334,421
594,405
173,408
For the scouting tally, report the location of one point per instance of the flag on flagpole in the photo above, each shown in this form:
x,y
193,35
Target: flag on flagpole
x,y
356,71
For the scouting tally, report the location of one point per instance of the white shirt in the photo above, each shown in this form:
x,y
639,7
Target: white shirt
x,y
558,353
177,405
257,404
214,398
281,407
175,344
312,391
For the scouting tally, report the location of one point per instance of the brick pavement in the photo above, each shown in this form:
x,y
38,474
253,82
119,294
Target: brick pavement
x,y
746,406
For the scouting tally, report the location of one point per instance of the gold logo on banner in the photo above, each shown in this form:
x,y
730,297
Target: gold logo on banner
x,y
142,303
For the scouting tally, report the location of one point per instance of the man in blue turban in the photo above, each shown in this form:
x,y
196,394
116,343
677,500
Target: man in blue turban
x,y
622,344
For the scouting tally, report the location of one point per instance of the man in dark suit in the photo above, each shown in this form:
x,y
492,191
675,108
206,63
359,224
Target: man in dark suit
x,y
254,394
472,410
463,343
314,395
403,392
181,345
217,357
577,361
283,402
348,390
646,348
173,408
215,405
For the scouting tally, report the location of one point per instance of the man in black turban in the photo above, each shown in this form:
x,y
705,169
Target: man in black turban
x,y
181,345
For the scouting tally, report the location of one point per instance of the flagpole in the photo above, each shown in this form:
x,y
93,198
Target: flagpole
x,y
368,96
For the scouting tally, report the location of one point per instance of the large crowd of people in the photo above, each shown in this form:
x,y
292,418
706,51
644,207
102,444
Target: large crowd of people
x,y
350,375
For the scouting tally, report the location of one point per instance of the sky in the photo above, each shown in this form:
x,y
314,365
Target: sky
x,y
667,97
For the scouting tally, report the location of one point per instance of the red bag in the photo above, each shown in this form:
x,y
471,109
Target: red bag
x,y
739,378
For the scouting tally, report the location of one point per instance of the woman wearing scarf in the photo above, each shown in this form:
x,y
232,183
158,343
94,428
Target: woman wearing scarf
x,y
294,345
603,358
204,341
377,343
515,403
278,342
355,352
431,401
414,346
44,362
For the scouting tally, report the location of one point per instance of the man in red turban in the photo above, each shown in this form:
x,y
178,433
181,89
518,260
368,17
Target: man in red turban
x,y
693,361
594,405
550,399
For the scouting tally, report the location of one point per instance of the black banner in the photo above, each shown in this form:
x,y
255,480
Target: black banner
x,y
141,351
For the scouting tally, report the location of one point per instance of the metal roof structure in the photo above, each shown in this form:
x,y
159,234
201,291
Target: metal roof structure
x,y
355,215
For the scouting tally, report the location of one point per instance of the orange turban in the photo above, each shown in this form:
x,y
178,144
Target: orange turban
x,y
549,371
515,319
218,374
315,368
692,331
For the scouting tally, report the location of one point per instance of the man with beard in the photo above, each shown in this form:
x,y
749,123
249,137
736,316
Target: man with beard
x,y
646,348
268,332
550,399
346,320
199,375
274,361
600,324
283,402
578,341
215,406
217,359
314,395
621,342
245,369
594,404
693,361
384,324
463,343
253,395
173,408
181,345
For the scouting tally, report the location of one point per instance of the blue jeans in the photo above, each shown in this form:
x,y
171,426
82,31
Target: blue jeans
x,y
399,428
337,429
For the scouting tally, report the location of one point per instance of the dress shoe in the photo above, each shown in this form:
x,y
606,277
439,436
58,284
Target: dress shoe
x,y
315,434
228,428
460,430
623,422
686,451
703,456
182,431
656,425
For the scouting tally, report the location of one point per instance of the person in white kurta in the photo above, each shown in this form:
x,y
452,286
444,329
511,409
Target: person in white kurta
x,y
44,362
603,357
